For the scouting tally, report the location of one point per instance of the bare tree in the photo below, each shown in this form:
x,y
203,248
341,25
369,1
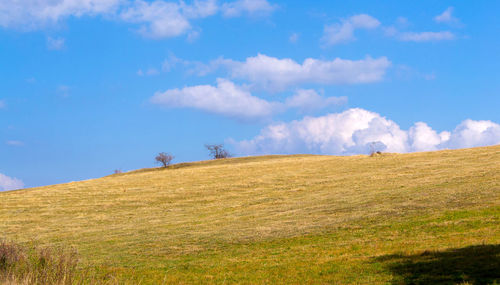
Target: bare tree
x,y
217,151
164,158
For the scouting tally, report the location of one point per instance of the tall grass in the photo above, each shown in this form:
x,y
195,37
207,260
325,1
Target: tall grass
x,y
33,265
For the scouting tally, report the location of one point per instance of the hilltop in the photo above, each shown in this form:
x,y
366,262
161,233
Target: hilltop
x,y
402,218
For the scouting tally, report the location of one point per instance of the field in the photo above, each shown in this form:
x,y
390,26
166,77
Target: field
x,y
414,218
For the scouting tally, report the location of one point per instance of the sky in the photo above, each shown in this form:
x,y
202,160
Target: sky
x,y
88,87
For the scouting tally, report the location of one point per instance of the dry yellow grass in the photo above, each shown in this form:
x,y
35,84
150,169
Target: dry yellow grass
x,y
150,222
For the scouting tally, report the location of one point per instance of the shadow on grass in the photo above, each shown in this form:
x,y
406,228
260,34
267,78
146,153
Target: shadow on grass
x,y
478,264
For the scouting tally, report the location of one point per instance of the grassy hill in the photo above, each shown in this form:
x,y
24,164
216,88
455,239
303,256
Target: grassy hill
x,y
392,218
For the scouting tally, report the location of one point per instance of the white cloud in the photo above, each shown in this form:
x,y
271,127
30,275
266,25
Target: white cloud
x,y
55,43
276,74
33,14
474,133
171,62
355,131
9,183
199,9
159,19
308,100
426,36
225,99
344,31
249,7
231,100
422,137
446,17
162,19
193,35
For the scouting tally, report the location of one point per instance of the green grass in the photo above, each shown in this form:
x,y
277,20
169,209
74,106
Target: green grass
x,y
393,218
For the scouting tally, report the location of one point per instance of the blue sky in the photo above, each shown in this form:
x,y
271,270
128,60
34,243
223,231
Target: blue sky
x,y
90,86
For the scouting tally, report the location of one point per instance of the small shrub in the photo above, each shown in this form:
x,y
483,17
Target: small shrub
x,y
32,265
217,151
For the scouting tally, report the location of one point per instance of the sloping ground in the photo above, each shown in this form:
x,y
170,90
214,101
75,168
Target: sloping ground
x,y
278,219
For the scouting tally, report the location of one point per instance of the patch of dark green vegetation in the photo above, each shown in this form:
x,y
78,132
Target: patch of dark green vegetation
x,y
478,264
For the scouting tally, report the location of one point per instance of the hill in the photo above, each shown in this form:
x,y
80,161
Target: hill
x,y
401,218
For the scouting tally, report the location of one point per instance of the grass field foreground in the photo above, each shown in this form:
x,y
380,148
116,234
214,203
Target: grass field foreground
x,y
392,218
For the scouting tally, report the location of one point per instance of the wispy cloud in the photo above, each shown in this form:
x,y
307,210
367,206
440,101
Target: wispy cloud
x,y
426,36
35,14
344,32
14,143
148,72
248,7
446,17
309,101
294,38
156,19
55,43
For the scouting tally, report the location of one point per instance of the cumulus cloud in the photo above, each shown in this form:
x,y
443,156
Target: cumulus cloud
x,y
426,36
249,7
227,99
344,31
275,74
235,101
446,17
474,133
55,43
356,131
308,100
422,137
9,183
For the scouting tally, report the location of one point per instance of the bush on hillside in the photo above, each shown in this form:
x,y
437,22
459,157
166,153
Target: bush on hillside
x,y
164,158
217,151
